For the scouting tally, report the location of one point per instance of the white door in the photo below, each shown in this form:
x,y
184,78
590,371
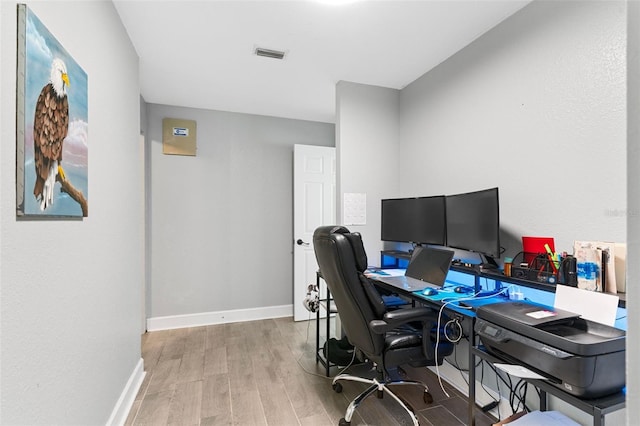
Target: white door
x,y
314,204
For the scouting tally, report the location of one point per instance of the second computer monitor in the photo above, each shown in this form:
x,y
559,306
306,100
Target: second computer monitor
x,y
473,221
419,220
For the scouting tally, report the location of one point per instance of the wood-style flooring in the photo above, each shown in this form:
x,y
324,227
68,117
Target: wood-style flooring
x,y
265,373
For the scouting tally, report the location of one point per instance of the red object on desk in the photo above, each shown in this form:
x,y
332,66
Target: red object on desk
x,y
532,246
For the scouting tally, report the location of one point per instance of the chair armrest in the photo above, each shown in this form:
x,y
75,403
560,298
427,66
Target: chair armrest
x,y
394,319
427,316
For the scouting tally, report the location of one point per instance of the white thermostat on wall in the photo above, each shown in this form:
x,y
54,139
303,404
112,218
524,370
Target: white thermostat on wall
x,y
180,131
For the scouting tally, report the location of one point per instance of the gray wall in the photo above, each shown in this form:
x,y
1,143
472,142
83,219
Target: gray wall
x,y
222,233
633,208
536,107
71,289
367,132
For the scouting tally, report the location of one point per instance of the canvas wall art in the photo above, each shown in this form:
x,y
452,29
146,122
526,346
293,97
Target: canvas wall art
x,y
52,125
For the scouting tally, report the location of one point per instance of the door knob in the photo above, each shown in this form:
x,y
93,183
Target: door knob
x,y
301,243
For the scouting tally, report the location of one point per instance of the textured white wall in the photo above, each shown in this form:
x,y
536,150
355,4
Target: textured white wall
x,y
222,234
71,289
536,107
633,210
367,153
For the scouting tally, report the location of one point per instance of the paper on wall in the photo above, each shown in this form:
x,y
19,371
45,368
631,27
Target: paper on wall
x,y
355,208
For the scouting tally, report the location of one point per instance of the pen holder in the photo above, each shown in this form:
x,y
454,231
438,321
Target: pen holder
x,y
541,268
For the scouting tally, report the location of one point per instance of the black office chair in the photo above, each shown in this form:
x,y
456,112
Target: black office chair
x,y
387,338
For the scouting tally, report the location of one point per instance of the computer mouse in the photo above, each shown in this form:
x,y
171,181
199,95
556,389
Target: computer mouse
x,y
463,289
430,292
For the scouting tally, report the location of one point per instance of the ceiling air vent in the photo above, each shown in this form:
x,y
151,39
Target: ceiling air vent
x,y
268,53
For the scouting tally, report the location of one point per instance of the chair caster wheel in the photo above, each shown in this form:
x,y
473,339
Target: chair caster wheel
x,y
337,387
343,422
427,398
379,394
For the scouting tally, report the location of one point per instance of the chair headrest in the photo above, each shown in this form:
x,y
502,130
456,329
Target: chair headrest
x,y
358,250
355,240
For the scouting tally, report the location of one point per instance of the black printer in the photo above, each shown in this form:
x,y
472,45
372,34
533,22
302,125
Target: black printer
x,y
582,357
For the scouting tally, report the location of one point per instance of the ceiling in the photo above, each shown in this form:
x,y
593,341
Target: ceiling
x,y
200,54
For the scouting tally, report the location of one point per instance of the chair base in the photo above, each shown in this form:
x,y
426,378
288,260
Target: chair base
x,y
380,387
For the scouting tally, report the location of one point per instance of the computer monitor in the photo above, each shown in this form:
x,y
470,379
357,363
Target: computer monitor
x,y
418,220
473,221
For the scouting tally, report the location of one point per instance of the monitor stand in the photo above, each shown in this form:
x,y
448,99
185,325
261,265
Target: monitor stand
x,y
488,262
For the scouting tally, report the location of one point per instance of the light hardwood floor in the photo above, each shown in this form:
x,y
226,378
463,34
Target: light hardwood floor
x,y
264,373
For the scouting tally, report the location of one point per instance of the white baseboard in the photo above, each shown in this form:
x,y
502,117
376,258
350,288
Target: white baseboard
x,y
221,317
127,397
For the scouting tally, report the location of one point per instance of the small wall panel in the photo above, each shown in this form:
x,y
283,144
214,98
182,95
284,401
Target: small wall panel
x,y
178,136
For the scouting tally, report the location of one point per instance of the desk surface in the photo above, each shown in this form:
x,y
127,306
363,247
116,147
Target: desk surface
x,y
464,303
540,293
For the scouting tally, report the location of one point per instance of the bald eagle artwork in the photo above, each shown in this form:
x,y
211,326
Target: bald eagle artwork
x,y
50,127
53,125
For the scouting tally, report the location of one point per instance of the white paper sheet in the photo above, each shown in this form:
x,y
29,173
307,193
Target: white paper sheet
x,y
591,305
546,418
519,371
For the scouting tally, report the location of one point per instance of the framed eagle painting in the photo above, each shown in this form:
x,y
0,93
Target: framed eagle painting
x,y
52,125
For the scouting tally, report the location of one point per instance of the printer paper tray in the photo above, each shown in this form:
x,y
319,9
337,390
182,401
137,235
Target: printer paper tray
x,y
573,335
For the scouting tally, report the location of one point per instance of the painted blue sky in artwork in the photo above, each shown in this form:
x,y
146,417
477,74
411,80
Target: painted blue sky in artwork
x,y
41,49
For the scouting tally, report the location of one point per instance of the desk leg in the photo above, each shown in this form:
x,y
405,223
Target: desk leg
x,y
543,400
317,336
472,379
598,417
327,333
318,321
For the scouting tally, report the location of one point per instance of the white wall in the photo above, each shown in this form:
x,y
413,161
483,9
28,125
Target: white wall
x,y
536,107
633,209
71,289
367,135
222,233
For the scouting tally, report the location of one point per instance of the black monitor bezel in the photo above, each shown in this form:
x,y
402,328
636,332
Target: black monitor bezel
x,y
488,246
412,207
